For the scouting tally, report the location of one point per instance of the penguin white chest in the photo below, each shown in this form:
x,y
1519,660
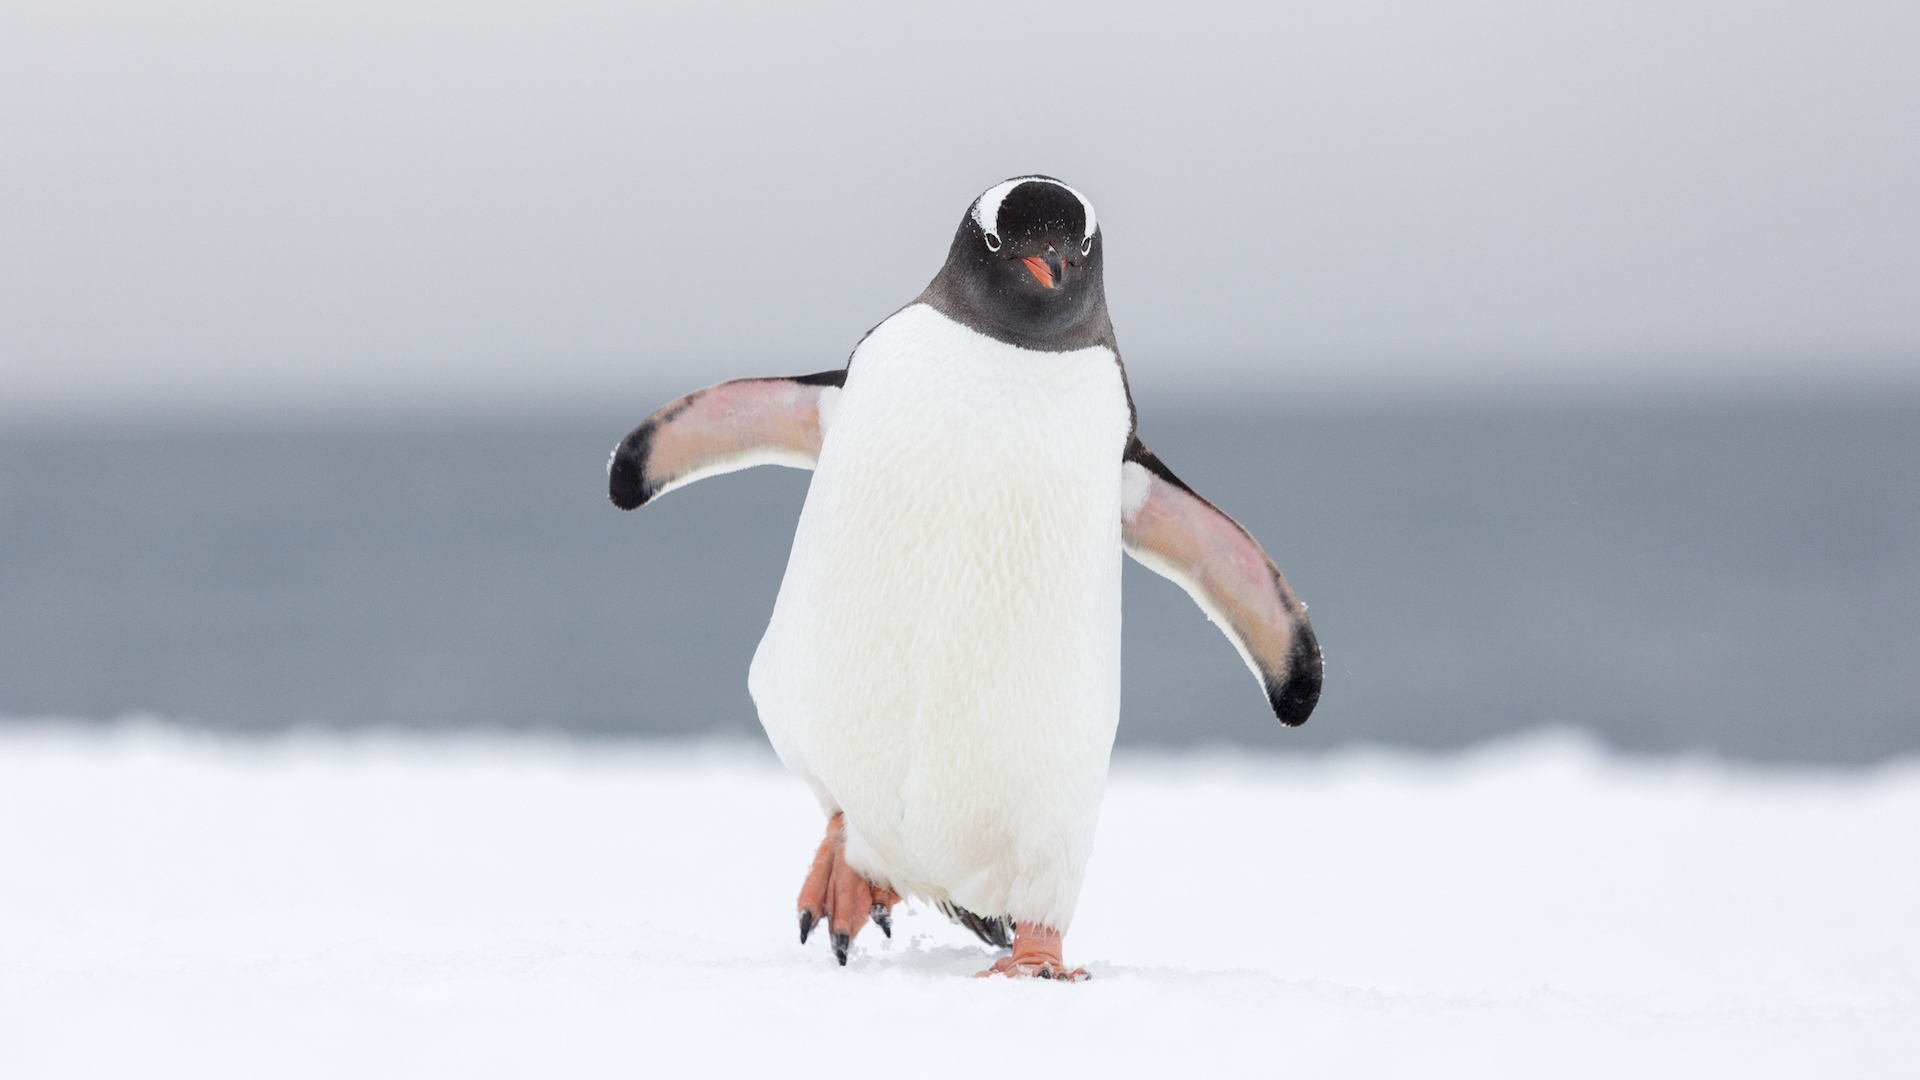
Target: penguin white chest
x,y
943,661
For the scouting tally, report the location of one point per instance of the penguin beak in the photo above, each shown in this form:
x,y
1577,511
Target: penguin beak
x,y
1042,273
1047,269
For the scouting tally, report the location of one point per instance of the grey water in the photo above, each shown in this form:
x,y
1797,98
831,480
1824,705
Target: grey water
x,y
1742,579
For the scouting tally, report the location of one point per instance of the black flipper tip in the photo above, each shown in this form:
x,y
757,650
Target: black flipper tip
x,y
840,943
806,925
627,469
1294,699
624,484
882,918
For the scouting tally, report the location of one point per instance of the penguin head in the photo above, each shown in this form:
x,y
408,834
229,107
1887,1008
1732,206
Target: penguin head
x,y
1025,265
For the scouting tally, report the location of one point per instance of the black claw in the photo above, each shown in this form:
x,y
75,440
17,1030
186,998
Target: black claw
x,y
882,918
806,925
840,943
1046,973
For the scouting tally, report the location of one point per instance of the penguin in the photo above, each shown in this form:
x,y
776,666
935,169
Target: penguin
x,y
942,665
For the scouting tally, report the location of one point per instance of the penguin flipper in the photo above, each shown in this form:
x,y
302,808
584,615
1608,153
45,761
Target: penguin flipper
x,y
1171,530
728,426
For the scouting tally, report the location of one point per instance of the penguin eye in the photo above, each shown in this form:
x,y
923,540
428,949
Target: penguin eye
x,y
1086,245
993,242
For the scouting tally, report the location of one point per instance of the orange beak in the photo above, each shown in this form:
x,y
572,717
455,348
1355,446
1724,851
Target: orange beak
x,y
1040,270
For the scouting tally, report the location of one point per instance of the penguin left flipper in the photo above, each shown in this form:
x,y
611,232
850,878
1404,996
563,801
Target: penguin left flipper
x,y
1171,530
728,426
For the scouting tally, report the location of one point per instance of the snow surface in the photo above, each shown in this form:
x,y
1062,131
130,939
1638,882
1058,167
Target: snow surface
x,y
325,905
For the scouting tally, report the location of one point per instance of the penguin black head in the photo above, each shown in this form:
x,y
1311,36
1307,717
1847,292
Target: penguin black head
x,y
1025,268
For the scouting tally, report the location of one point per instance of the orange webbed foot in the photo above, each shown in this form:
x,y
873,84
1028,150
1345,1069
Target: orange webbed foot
x,y
837,896
1036,954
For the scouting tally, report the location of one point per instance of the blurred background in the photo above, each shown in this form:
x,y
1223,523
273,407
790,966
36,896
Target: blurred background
x,y
1566,357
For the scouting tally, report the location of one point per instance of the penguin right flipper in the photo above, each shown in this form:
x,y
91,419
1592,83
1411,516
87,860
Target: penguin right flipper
x,y
728,426
1174,532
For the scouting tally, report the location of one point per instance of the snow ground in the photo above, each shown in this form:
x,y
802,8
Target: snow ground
x,y
325,905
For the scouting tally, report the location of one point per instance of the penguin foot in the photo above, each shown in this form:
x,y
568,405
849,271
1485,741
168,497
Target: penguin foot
x,y
836,896
1036,954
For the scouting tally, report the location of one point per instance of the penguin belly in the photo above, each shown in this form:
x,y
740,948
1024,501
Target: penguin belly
x,y
943,661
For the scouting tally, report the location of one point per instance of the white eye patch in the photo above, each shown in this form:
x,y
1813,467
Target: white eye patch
x,y
986,209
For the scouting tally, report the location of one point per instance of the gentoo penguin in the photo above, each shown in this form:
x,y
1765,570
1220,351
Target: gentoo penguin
x,y
943,662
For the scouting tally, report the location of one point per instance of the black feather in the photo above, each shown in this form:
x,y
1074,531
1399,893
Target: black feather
x,y
627,472
1293,700
996,930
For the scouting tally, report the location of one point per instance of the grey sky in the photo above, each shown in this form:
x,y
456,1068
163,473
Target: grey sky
x,y
205,205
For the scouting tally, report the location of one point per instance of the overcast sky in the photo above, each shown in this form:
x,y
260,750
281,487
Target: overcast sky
x,y
218,206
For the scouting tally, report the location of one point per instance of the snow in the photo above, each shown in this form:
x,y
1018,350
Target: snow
x,y
333,905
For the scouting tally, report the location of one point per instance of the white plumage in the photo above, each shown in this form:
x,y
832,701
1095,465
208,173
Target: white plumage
x,y
943,661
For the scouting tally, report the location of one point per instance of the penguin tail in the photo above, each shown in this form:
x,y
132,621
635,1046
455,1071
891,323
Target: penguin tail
x,y
995,930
